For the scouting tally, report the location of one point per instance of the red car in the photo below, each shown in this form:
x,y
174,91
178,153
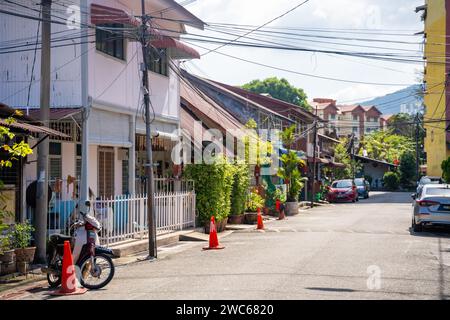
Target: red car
x,y
342,190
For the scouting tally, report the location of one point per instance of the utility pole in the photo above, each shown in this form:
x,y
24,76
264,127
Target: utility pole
x,y
314,162
43,148
145,38
417,121
84,183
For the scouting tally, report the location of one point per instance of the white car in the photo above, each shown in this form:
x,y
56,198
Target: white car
x,y
431,206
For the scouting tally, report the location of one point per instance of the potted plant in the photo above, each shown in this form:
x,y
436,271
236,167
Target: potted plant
x,y
290,173
20,237
241,182
254,202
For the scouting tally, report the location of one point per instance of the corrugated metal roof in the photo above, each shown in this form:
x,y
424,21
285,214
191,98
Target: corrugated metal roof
x,y
32,128
55,113
209,111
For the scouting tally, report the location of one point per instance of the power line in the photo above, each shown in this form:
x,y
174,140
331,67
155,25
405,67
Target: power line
x,y
253,30
301,73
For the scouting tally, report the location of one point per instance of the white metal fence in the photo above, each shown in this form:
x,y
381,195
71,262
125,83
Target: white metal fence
x,y
123,218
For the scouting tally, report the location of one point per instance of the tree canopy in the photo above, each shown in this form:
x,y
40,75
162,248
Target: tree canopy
x,y
280,89
387,146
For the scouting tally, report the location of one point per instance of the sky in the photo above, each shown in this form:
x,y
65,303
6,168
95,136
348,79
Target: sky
x,y
370,16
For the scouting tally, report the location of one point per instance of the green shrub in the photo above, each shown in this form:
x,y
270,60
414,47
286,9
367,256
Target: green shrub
x,y
241,182
446,170
408,170
291,174
254,202
391,181
4,216
213,187
20,235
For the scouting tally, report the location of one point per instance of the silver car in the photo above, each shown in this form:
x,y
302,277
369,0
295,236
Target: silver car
x,y
431,206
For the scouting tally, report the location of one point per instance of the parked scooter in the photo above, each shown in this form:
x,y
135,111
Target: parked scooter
x,y
96,268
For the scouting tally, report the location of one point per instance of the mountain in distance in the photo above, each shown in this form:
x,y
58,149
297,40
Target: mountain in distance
x,y
403,101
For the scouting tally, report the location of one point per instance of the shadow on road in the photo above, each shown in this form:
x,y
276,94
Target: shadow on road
x,y
432,232
378,197
332,289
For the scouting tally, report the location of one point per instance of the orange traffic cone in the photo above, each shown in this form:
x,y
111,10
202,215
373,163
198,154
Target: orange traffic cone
x,y
69,283
213,239
260,220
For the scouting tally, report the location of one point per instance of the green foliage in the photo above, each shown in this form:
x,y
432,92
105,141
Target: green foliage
x,y
400,124
257,150
446,170
291,174
288,136
20,235
408,174
273,194
241,182
4,214
213,187
254,202
341,155
280,89
391,181
15,150
384,145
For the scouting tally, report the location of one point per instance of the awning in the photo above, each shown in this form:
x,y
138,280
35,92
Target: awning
x,y
178,50
338,165
32,128
328,138
319,160
102,14
55,114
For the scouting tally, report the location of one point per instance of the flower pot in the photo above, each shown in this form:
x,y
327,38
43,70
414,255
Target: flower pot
x,y
292,208
7,256
220,226
251,218
25,255
22,267
8,268
239,219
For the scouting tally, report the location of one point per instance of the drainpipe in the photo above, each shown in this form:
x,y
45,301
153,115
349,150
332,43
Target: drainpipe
x,y
132,157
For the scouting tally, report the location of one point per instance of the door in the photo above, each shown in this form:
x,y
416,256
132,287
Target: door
x,y
105,172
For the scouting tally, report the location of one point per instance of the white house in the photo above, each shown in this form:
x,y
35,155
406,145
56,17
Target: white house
x,y
111,64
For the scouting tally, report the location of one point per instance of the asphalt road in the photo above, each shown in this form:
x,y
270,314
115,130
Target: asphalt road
x,y
343,251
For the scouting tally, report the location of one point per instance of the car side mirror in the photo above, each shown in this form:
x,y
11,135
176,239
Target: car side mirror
x,y
414,196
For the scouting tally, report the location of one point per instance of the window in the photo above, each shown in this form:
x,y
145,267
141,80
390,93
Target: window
x,y
157,62
106,172
55,161
332,117
110,42
355,117
78,162
355,129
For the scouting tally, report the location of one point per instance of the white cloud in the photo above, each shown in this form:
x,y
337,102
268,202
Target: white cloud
x,y
338,14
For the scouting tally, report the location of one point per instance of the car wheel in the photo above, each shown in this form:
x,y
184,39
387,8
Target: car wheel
x,y
416,227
